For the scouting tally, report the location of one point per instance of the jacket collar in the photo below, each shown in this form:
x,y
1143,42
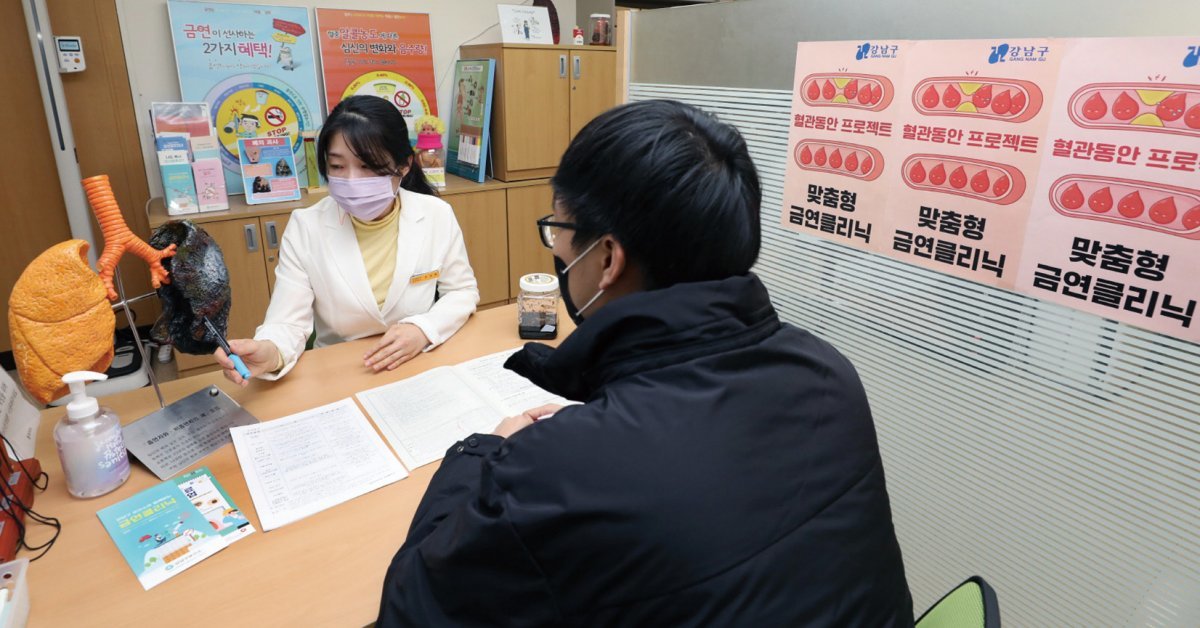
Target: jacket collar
x,y
649,330
344,254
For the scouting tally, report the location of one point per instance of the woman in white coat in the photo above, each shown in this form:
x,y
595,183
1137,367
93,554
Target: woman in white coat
x,y
381,255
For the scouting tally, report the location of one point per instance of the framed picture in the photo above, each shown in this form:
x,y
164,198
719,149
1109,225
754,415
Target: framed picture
x,y
524,24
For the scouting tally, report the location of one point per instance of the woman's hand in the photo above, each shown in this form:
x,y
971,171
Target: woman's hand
x,y
514,424
399,344
260,356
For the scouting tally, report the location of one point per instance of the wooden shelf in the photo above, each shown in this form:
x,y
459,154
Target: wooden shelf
x,y
238,209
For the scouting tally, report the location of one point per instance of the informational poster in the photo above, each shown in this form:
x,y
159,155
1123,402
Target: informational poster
x,y
471,119
1066,169
1115,229
254,66
843,124
374,53
970,128
268,170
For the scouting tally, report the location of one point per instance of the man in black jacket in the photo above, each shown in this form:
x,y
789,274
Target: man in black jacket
x,y
723,468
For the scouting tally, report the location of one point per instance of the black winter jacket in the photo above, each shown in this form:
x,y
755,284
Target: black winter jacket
x,y
723,471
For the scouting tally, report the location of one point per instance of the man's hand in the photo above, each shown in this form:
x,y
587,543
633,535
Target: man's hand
x,y
260,356
399,344
514,424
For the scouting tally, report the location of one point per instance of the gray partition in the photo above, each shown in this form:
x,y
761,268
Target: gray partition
x,y
1054,452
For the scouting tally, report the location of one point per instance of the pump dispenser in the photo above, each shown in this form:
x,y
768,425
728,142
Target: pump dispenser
x,y
90,445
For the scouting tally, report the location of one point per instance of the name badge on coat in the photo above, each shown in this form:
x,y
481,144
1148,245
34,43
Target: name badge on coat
x,y
423,277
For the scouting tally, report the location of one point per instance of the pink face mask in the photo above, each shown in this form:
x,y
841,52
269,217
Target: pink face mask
x,y
365,198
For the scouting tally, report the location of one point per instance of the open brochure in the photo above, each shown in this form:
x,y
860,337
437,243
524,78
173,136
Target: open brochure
x,y
169,527
424,415
310,461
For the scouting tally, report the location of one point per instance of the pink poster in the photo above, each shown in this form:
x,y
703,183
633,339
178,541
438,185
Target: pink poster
x,y
970,122
842,124
1115,229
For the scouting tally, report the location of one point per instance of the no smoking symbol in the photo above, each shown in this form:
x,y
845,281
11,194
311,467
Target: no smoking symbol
x,y
276,116
403,99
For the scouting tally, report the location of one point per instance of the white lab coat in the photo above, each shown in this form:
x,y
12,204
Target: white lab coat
x,y
321,282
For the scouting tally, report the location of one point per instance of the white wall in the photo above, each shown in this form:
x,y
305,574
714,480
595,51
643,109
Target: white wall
x,y
146,33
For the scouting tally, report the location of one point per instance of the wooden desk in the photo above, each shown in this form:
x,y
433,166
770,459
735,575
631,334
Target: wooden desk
x,y
325,570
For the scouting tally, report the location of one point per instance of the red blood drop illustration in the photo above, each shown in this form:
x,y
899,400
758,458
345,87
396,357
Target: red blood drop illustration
x,y
980,182
937,176
916,174
828,91
1002,103
864,94
867,164
958,178
1094,107
1018,102
1192,118
1171,108
820,156
1001,187
835,159
852,162
982,97
1125,107
930,98
814,90
1101,200
805,156
1191,219
876,94
850,90
1132,205
951,98
1072,197
1164,211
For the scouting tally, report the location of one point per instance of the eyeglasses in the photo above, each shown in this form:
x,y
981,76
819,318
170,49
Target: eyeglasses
x,y
548,229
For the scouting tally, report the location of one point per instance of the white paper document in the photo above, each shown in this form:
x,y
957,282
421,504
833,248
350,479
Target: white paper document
x,y
313,460
424,415
18,418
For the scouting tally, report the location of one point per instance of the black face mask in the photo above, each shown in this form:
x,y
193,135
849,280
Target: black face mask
x,y
561,269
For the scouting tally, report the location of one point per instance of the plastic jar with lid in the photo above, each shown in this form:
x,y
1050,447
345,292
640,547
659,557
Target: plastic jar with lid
x,y
537,307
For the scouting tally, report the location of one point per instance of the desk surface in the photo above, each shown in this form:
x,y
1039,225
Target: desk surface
x,y
325,570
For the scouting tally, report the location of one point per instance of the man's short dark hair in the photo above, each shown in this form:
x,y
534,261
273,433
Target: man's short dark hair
x,y
672,184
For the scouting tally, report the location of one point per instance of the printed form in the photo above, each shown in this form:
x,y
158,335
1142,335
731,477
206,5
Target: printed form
x,y
302,464
424,415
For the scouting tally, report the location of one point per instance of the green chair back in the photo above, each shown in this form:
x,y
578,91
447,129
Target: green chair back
x,y
972,604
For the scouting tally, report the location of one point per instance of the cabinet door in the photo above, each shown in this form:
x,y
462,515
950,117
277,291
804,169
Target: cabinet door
x,y
485,230
593,85
536,107
272,236
242,246
526,254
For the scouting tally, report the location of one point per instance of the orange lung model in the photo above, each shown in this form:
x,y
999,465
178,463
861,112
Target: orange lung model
x,y
973,178
848,160
60,320
1137,107
857,91
1153,206
118,238
1010,100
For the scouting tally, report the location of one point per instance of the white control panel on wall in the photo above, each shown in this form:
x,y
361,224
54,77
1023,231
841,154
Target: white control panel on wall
x,y
70,54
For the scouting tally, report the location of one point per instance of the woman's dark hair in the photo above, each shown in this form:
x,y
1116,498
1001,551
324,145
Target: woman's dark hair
x,y
672,184
375,131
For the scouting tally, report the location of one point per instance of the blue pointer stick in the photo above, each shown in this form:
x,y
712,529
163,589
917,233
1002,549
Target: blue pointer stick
x,y
237,362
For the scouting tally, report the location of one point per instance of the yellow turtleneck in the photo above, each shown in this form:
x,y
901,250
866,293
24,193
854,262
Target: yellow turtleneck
x,y
378,241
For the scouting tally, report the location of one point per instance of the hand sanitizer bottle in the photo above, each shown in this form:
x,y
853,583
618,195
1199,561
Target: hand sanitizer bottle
x,y
90,445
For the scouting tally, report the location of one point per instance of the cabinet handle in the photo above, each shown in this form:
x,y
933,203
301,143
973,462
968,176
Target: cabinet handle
x,y
578,67
272,235
251,233
562,66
